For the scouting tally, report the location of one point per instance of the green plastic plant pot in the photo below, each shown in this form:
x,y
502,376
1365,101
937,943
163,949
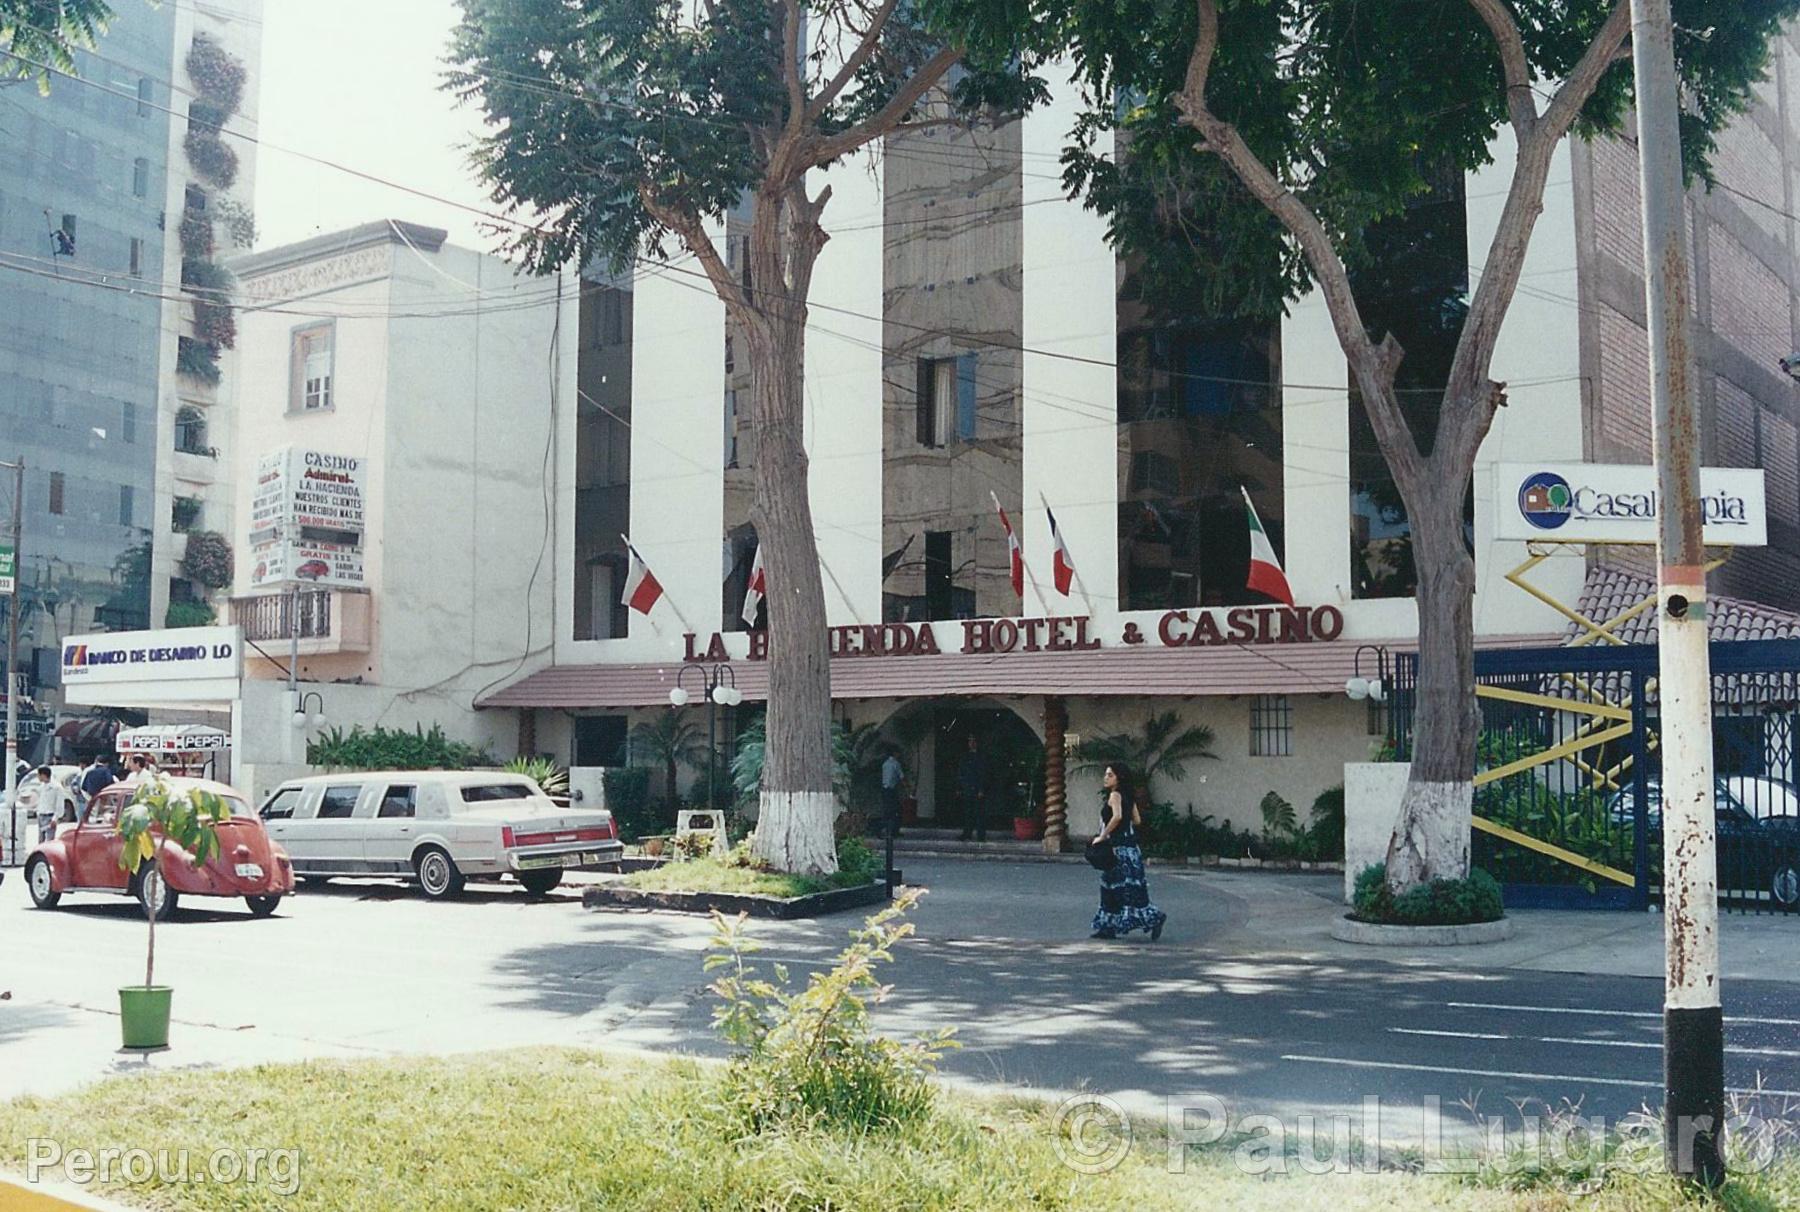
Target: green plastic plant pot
x,y
144,1013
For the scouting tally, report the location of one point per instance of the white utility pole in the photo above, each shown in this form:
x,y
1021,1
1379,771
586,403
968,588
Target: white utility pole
x,y
12,661
1693,1022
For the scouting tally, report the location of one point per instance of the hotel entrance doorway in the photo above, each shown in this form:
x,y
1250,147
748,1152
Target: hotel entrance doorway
x,y
988,768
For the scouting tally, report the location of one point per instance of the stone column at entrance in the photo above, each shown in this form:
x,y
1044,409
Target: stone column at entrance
x,y
1056,800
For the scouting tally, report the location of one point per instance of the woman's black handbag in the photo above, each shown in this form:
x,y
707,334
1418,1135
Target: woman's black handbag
x,y
1099,855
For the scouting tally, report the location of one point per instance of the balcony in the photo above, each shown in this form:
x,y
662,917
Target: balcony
x,y
326,621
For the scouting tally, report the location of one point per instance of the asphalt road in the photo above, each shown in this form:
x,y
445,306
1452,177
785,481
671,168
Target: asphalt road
x,y
1217,1009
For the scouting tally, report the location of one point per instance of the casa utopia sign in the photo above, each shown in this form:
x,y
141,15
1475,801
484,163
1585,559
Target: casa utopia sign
x,y
1613,503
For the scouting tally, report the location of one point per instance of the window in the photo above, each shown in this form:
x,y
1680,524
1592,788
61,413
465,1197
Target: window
x,y
140,177
184,515
128,421
600,740
339,801
946,400
1271,726
311,370
144,96
137,257
399,801
195,198
280,806
126,494
56,492
481,793
938,577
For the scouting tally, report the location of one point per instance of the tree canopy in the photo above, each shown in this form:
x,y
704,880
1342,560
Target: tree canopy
x,y
41,36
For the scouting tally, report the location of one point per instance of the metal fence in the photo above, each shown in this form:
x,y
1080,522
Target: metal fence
x,y
275,616
1569,764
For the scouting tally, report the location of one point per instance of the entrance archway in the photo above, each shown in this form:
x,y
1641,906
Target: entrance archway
x,y
953,747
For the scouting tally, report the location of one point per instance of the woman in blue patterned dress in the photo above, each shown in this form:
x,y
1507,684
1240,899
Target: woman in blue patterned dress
x,y
1124,894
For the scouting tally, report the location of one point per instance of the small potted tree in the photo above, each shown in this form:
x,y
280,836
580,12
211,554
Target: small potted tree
x,y
188,824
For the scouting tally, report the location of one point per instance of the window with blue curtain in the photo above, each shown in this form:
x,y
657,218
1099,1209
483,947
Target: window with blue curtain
x,y
965,397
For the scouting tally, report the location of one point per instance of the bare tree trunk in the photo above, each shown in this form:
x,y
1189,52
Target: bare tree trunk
x,y
1431,838
796,805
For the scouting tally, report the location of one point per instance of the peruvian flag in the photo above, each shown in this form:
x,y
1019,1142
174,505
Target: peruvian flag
x,y
1265,570
1062,568
753,592
642,590
1014,552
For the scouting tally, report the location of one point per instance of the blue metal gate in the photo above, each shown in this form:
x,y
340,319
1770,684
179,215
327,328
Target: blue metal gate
x,y
1568,773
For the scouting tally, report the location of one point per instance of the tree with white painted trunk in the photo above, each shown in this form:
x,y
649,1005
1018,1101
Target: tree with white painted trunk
x,y
1283,133
622,127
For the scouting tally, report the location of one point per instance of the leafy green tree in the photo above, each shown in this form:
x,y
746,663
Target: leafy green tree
x,y
621,128
672,741
40,37
188,821
1161,749
1286,133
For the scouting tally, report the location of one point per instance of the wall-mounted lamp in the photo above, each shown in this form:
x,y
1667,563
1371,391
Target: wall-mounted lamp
x,y
316,717
1359,687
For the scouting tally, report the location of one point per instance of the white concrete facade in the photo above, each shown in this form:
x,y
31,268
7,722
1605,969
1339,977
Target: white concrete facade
x,y
450,374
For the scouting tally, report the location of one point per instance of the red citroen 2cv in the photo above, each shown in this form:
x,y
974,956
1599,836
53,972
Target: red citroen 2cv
x,y
85,858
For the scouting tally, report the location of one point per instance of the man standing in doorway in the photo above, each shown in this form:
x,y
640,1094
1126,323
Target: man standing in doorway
x,y
893,784
971,789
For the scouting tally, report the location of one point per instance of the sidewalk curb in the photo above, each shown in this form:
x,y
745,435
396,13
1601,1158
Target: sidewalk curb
x,y
18,1195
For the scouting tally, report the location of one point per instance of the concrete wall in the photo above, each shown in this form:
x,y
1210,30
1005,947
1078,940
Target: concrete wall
x,y
1372,794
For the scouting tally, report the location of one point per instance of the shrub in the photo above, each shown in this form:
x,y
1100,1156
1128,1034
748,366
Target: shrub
x,y
393,749
693,844
196,238
218,75
856,861
240,221
1328,823
812,1058
190,614
183,514
208,559
210,157
197,360
542,771
628,799
1439,903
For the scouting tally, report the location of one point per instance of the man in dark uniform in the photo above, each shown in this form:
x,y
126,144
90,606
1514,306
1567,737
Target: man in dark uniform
x,y
971,789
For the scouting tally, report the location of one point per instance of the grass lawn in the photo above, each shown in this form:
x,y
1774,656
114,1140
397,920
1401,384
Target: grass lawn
x,y
567,1129
711,875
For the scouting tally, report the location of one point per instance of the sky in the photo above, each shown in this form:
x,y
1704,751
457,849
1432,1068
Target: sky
x,y
357,82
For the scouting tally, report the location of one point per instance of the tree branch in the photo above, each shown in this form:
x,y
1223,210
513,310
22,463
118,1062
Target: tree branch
x,y
1520,103
1373,365
1462,429
799,113
692,232
825,150
870,40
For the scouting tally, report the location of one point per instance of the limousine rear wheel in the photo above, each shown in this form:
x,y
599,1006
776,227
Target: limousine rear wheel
x,y
541,881
438,875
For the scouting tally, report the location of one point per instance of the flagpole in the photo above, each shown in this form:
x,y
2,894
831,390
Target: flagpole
x,y
666,595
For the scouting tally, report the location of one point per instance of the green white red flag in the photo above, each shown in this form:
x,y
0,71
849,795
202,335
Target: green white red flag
x,y
1265,576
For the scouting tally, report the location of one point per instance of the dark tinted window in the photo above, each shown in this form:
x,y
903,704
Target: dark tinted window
x,y
399,801
482,792
339,801
280,806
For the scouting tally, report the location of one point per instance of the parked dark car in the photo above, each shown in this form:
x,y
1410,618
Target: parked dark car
x,y
1758,834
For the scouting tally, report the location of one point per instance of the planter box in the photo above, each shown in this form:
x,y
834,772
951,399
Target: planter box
x,y
819,904
1347,929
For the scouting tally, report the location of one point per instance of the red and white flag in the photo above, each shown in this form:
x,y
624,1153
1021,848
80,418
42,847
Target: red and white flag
x,y
642,590
1062,568
754,591
1265,570
1015,553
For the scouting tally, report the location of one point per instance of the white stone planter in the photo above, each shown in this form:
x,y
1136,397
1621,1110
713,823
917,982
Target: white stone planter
x,y
1348,930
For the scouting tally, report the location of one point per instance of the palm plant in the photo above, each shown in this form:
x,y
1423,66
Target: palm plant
x,y
1161,749
856,757
671,741
545,773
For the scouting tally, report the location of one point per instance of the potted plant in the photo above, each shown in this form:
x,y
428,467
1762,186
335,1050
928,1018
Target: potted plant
x,y
187,822
1029,826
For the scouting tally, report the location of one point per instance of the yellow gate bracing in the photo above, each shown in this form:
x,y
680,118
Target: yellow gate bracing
x,y
1608,721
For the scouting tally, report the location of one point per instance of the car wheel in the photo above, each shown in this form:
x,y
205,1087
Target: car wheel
x,y
1784,886
438,875
41,882
262,906
538,883
167,897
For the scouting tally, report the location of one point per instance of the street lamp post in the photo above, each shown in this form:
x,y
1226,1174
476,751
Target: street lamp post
x,y
719,686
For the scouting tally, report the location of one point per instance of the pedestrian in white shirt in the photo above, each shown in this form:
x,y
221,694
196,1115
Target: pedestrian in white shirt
x,y
53,801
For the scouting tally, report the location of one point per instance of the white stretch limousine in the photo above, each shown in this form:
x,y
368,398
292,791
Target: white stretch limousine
x,y
441,828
